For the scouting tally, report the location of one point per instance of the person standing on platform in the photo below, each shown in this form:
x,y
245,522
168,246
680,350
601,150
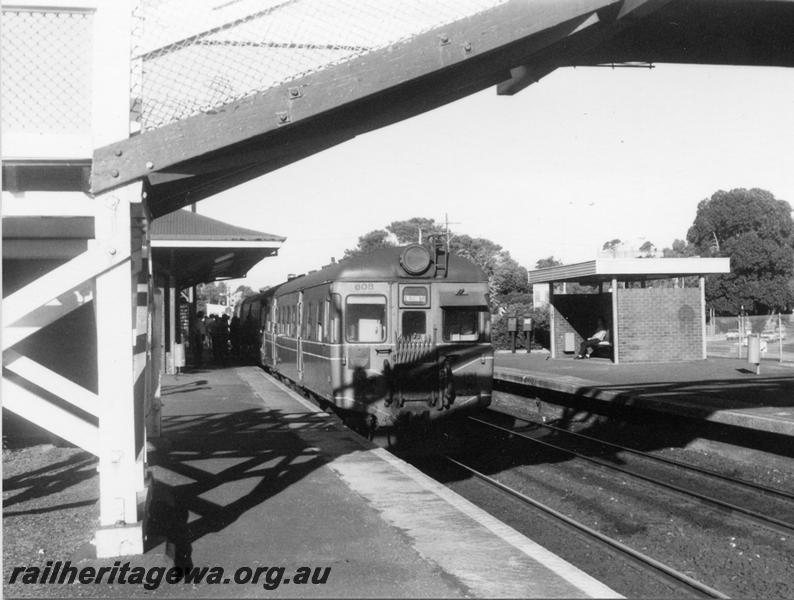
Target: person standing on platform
x,y
235,336
212,330
223,338
197,336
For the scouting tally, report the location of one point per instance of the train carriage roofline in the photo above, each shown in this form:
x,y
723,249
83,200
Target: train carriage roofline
x,y
382,264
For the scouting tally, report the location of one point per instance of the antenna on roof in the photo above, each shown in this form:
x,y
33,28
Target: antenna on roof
x,y
446,229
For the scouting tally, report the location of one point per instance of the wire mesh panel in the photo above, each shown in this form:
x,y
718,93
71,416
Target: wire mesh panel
x,y
192,56
45,59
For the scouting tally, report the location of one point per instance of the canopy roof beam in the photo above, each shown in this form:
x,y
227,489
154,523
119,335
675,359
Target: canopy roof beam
x,y
371,90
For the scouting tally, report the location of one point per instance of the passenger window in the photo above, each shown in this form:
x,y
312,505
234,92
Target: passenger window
x,y
322,335
365,318
461,324
414,325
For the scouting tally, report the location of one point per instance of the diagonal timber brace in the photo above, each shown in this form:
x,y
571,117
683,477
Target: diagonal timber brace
x,y
31,406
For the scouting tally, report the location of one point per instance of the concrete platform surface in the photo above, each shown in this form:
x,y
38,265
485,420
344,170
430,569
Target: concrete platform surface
x,y
719,390
249,474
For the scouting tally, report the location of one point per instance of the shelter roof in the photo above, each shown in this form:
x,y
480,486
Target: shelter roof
x,y
197,249
630,269
186,225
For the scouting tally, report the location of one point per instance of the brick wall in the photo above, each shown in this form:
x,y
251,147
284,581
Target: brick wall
x,y
578,314
659,324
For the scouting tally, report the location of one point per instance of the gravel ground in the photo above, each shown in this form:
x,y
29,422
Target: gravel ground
x,y
741,464
743,560
50,508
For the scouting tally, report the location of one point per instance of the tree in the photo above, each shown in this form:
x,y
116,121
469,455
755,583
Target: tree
x,y
368,242
212,293
545,263
648,250
756,231
612,245
410,231
679,249
504,273
244,291
517,308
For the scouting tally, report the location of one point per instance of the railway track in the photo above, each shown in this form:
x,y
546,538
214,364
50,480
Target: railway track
x,y
646,562
682,523
782,500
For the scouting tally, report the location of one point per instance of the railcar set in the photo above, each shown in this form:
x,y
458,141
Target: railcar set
x,y
388,337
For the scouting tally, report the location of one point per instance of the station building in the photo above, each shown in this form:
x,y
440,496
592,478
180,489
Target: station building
x,y
651,309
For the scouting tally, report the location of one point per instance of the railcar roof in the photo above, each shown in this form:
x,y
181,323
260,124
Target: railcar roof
x,y
382,264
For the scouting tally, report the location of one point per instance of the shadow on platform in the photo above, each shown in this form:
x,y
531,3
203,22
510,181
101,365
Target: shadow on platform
x,y
212,467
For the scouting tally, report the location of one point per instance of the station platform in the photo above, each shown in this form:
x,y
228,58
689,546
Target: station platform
x,y
250,474
718,390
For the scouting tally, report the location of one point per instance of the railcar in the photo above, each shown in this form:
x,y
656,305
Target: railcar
x,y
390,336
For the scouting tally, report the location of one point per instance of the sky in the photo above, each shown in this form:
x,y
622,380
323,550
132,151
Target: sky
x,y
584,156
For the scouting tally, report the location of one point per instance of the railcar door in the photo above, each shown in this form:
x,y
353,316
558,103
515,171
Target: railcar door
x,y
274,331
414,363
366,338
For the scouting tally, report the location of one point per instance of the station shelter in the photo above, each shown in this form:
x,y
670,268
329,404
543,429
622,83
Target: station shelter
x,y
189,249
654,308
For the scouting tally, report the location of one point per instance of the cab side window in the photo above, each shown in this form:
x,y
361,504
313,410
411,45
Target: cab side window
x,y
365,318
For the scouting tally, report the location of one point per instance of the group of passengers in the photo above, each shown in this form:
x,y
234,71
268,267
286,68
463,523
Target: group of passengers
x,y
218,334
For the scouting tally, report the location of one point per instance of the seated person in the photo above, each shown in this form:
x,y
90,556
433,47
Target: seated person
x,y
593,341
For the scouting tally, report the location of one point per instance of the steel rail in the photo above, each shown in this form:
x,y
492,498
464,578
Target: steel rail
x,y
769,522
638,556
743,482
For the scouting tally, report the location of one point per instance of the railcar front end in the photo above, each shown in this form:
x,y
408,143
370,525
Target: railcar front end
x,y
397,335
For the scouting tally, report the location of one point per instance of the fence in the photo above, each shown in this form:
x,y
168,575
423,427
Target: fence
x,y
45,59
727,336
226,51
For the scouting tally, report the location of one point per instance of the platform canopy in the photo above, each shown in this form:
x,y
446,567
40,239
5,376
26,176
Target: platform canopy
x,y
630,269
197,249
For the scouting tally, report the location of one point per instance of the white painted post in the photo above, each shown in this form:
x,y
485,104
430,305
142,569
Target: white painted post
x,y
153,424
121,457
702,284
122,325
615,323
171,319
552,328
780,338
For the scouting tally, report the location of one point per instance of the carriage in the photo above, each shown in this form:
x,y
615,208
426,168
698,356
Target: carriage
x,y
389,336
